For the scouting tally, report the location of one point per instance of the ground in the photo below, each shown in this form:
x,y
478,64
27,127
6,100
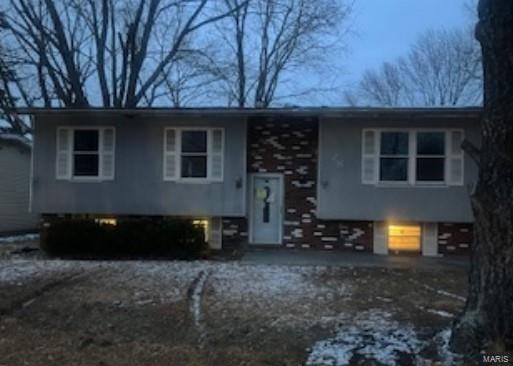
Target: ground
x,y
58,312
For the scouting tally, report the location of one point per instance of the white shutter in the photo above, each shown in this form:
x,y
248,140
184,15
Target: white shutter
x,y
108,141
63,153
216,160
369,157
455,158
215,236
170,154
430,239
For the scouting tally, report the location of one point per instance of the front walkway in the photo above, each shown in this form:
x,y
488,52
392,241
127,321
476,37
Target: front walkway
x,y
348,259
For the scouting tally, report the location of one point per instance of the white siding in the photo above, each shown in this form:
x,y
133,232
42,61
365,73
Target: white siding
x,y
14,189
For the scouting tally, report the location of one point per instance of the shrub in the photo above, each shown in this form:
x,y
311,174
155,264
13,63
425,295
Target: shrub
x,y
130,238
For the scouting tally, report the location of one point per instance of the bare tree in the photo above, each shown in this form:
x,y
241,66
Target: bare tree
x,y
235,35
120,50
487,322
10,94
384,87
8,98
350,98
264,40
126,53
189,81
443,68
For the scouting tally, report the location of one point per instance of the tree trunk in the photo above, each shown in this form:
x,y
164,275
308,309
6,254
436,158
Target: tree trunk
x,y
487,321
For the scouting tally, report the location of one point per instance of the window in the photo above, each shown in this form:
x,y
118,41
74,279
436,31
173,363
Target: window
x,y
412,156
404,238
106,221
202,223
86,153
430,157
394,157
193,154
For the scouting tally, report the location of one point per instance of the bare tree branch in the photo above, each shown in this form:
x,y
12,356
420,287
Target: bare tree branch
x,y
286,36
443,68
107,47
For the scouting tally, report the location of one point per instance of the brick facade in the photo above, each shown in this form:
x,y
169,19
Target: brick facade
x,y
235,234
454,238
343,235
290,147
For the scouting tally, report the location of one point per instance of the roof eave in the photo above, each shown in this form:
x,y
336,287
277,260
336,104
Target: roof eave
x,y
328,112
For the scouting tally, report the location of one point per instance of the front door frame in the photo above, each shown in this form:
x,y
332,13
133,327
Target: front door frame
x,y
251,185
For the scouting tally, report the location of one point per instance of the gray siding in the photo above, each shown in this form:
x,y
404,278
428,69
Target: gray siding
x,y
341,195
138,187
14,189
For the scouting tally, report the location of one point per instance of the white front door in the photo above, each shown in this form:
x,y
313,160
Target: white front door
x,y
266,209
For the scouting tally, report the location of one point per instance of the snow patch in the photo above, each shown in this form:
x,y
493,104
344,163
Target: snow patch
x,y
384,299
442,340
18,238
269,282
196,294
159,281
375,337
143,282
440,292
20,271
443,314
165,282
449,294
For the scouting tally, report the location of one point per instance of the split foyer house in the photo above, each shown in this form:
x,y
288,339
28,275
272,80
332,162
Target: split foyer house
x,y
359,179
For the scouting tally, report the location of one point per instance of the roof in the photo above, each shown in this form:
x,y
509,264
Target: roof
x,y
12,139
343,112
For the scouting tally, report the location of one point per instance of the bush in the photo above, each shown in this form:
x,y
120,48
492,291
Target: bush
x,y
130,238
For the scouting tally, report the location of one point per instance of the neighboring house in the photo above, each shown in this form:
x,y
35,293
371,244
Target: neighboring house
x,y
15,185
370,180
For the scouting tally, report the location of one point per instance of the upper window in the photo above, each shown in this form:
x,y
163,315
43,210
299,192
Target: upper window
x,y
394,157
412,156
430,162
193,154
86,153
428,159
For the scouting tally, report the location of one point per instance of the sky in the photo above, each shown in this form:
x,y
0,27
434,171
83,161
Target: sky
x,y
385,29
381,30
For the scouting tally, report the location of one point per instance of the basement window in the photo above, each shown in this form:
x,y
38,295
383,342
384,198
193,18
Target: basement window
x,y
202,223
106,221
404,238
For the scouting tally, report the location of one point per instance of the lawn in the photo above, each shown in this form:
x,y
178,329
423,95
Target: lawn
x,y
55,312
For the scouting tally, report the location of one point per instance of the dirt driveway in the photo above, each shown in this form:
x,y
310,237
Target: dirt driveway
x,y
55,312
